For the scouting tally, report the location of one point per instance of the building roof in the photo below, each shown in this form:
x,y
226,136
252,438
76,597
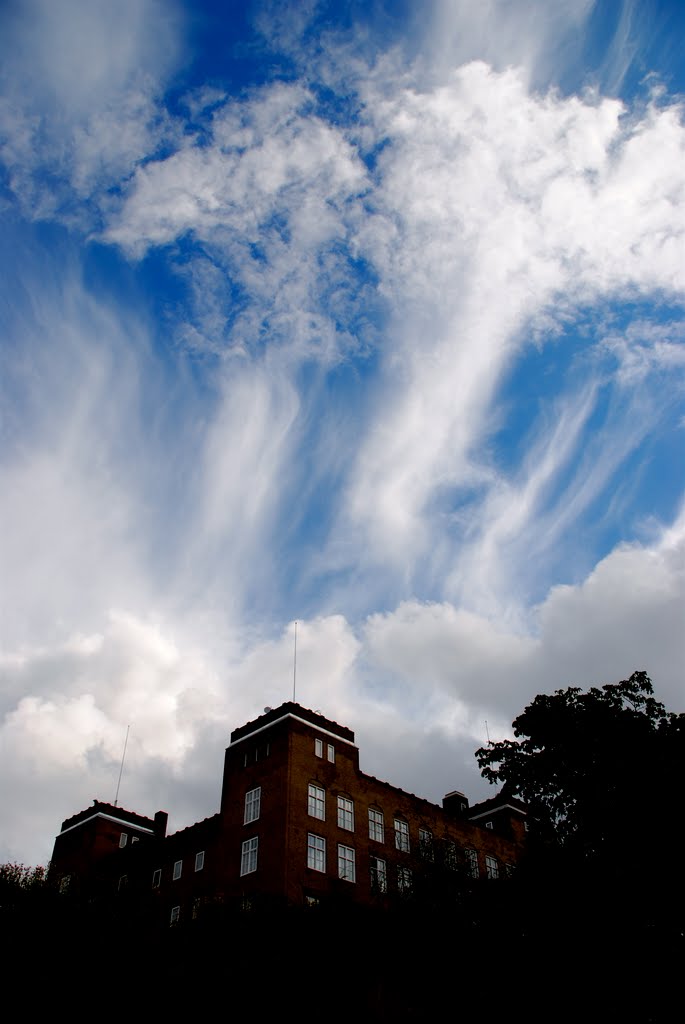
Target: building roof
x,y
98,808
292,710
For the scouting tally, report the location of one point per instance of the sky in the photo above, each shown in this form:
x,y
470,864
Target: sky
x,y
368,317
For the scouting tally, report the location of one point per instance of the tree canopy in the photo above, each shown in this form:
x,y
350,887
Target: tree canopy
x,y
594,767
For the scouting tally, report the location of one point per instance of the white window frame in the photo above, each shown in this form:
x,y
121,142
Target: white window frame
x,y
175,915
491,866
330,753
404,881
426,843
402,835
346,813
451,861
178,870
376,825
472,867
316,801
248,856
379,875
156,878
123,839
318,747
253,805
199,860
316,852
347,867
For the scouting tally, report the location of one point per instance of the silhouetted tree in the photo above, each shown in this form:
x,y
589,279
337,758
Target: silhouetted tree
x,y
602,773
590,765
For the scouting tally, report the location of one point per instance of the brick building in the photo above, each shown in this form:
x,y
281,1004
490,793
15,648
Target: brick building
x,y
299,824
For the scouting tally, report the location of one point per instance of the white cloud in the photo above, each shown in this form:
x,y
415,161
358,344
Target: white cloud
x,y
492,206
81,83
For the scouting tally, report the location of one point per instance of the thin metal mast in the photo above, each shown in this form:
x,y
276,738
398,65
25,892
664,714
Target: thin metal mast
x,y
295,663
122,765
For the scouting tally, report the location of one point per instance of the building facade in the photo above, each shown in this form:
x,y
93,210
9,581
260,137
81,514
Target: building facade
x,y
299,825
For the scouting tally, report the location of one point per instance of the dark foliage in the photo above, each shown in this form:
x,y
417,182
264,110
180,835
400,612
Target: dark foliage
x,y
596,768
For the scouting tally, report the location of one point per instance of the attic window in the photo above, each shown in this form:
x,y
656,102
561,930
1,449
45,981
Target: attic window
x,y
488,824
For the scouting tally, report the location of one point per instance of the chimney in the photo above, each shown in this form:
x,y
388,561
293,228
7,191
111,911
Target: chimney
x,y
161,819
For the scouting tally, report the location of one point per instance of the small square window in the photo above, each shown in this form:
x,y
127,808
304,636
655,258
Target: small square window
x,y
345,814
178,868
199,860
248,860
316,852
488,824
156,878
175,914
134,839
346,864
123,839
318,748
331,752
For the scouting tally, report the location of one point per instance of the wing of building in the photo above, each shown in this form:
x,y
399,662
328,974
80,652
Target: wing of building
x,y
299,824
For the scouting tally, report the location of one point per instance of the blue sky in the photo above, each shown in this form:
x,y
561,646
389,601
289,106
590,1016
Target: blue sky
x,y
366,316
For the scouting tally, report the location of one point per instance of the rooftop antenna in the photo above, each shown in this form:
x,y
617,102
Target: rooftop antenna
x,y
122,765
295,663
487,731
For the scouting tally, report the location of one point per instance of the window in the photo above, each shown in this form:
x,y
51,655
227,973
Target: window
x,y
156,878
491,867
178,868
404,881
317,802
199,860
346,868
376,826
379,877
316,853
450,855
426,844
331,753
488,824
318,748
134,839
248,860
123,883
175,914
253,801
472,863
345,813
197,903
401,835
123,839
